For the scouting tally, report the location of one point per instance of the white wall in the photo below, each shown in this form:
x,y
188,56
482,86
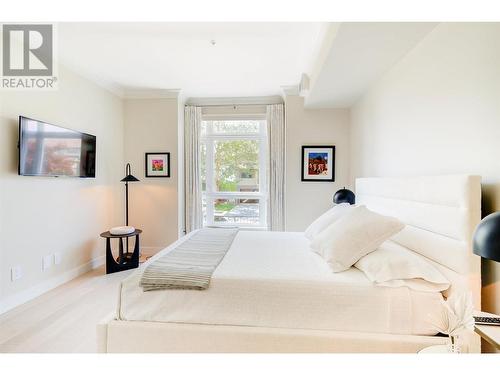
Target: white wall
x,y
438,112
305,201
43,215
151,125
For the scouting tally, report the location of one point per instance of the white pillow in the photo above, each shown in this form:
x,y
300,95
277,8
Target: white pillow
x,y
326,219
394,265
354,235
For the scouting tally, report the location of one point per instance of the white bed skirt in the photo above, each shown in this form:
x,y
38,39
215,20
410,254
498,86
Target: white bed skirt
x,y
116,336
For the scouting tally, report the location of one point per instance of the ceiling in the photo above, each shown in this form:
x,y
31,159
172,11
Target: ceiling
x,y
217,60
356,55
248,59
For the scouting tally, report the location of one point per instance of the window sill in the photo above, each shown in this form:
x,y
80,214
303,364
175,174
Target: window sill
x,y
250,228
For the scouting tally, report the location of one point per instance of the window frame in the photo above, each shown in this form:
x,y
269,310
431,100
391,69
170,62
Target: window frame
x,y
210,194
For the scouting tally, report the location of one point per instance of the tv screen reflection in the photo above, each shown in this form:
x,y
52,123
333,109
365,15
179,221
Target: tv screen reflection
x,y
48,150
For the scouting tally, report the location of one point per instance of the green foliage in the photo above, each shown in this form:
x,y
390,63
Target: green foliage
x,y
231,159
227,186
226,206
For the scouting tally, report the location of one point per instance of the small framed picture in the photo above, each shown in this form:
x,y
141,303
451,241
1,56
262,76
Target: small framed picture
x,y
318,163
157,164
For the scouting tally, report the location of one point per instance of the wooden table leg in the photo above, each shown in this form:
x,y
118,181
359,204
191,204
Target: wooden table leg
x,y
135,255
120,252
109,257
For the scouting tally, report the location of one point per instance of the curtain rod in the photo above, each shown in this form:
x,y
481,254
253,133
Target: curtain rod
x,y
234,101
228,105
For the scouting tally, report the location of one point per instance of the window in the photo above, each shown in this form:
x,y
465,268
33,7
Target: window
x,y
233,168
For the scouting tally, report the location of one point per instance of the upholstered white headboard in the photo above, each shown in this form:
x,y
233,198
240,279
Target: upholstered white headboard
x,y
441,213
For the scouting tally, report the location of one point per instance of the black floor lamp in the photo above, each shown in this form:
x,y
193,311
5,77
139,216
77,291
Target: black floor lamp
x,y
128,178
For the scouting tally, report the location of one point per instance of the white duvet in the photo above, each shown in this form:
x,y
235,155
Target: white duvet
x,y
273,279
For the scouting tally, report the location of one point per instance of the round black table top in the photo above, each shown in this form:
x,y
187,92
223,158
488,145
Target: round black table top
x,y
109,235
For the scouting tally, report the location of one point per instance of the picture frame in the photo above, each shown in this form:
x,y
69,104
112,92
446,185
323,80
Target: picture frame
x,y
318,163
157,164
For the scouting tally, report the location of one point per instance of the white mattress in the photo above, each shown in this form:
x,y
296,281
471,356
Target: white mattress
x,y
272,279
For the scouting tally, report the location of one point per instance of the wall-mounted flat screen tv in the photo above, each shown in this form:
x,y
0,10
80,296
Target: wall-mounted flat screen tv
x,y
49,150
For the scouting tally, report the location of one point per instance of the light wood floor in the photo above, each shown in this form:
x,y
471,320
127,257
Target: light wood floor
x,y
64,319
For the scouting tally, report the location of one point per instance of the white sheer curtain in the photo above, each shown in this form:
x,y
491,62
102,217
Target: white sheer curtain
x,y
276,134
192,126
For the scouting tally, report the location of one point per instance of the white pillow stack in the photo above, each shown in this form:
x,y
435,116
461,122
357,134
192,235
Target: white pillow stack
x,y
356,233
353,235
393,265
330,216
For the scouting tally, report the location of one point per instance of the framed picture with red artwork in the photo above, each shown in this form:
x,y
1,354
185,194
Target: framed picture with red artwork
x,y
318,163
157,164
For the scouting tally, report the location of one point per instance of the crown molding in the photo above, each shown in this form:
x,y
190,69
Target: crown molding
x,y
122,93
290,90
304,85
151,93
250,100
105,84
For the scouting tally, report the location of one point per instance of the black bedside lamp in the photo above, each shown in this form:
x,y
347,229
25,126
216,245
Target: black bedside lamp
x,y
344,196
128,178
486,242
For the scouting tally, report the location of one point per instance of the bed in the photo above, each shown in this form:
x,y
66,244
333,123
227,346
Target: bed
x,y
272,294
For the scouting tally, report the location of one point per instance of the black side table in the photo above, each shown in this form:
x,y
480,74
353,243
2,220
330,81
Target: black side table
x,y
125,260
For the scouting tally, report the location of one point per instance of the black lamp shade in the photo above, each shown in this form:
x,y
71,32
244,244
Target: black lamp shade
x,y
129,178
344,196
486,242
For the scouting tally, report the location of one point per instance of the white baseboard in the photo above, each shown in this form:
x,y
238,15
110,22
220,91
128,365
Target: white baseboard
x,y
24,296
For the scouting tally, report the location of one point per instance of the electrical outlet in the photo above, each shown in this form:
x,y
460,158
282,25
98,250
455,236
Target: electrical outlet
x,y
16,273
47,262
57,258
